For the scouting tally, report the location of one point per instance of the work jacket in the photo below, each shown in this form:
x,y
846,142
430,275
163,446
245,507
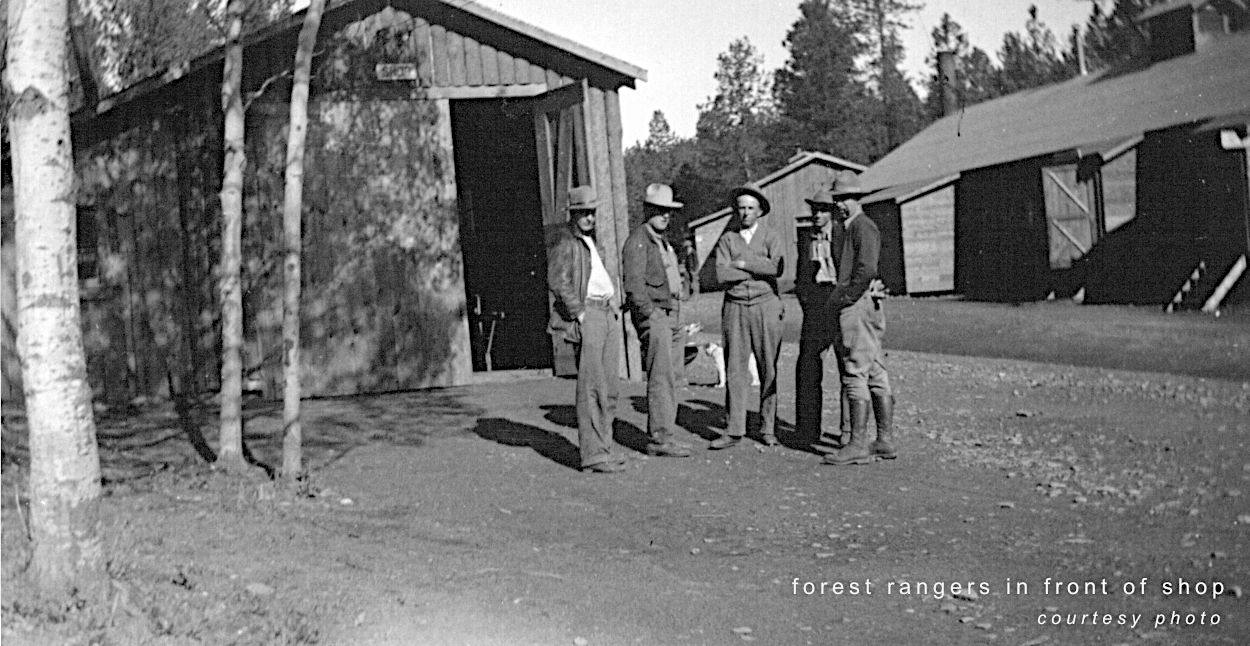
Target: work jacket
x,y
568,275
856,250
646,282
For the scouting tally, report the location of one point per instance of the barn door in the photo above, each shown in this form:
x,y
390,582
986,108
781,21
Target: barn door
x,y
560,131
1071,219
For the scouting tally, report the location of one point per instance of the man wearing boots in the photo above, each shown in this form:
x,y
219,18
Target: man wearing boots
x,y
586,313
653,291
861,326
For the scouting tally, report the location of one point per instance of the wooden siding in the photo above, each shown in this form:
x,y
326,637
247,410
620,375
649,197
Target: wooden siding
x,y
928,232
384,298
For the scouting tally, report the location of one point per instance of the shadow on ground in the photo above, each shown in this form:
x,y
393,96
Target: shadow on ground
x,y
553,446
138,441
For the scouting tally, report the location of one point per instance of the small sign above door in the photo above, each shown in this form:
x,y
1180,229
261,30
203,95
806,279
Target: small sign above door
x,y
396,71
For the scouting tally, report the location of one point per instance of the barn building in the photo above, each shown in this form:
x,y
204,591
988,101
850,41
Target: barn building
x,y
443,137
786,189
1125,186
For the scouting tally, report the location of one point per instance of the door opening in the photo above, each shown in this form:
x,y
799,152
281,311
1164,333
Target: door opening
x,y
501,234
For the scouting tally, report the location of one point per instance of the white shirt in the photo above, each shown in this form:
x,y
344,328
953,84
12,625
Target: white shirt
x,y
749,233
600,285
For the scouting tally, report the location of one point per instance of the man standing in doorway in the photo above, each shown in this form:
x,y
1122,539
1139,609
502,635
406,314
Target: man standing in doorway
x,y
586,313
815,278
861,327
653,292
749,259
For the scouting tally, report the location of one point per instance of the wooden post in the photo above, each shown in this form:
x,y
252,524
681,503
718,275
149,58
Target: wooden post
x,y
460,365
632,357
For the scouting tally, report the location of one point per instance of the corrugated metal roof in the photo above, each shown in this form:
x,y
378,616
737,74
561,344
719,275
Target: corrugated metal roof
x,y
338,11
1077,113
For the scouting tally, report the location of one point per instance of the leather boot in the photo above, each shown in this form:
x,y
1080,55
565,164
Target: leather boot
x,y
883,410
856,450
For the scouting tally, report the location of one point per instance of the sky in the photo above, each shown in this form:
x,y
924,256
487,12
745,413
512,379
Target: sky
x,y
677,41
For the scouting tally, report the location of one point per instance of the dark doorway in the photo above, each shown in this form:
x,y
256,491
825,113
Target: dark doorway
x,y
501,234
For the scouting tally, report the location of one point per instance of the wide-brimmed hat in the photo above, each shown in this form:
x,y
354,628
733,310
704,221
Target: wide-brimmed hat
x,y
822,198
661,195
583,198
747,189
846,184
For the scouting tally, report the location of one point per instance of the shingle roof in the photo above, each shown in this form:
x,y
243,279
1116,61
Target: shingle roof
x,y
1211,84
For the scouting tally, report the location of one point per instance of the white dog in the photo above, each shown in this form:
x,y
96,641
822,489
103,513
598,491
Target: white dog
x,y
717,353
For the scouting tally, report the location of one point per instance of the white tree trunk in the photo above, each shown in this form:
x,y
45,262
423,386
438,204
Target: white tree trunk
x,y
292,440
64,459
230,449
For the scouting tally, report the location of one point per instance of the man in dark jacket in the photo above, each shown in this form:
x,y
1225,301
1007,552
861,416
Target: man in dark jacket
x,y
586,313
861,326
653,291
816,276
749,259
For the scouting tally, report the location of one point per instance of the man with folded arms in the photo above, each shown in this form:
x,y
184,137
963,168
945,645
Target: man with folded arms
x,y
749,259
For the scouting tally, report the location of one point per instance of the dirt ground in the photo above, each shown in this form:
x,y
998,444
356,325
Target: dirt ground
x,y
457,516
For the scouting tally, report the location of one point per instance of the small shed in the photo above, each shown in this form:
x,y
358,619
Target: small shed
x,y
786,189
1118,186
917,224
443,137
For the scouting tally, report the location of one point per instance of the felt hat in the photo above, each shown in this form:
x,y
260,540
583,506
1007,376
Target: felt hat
x,y
583,198
846,185
661,195
822,198
747,189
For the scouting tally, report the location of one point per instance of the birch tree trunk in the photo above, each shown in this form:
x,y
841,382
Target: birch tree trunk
x,y
230,449
64,460
292,440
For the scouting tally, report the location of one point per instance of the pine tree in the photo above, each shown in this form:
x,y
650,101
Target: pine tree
x,y
1114,38
731,126
821,94
975,74
899,110
1030,60
660,136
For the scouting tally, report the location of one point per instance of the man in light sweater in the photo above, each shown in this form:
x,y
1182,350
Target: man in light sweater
x,y
749,260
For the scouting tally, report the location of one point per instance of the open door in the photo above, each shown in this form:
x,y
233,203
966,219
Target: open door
x,y
560,132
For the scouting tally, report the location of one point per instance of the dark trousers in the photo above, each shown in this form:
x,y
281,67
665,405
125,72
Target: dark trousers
x,y
751,329
818,336
598,363
663,342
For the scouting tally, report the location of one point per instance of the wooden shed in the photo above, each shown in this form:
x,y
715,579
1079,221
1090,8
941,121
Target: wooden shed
x,y
917,224
786,189
1118,187
443,137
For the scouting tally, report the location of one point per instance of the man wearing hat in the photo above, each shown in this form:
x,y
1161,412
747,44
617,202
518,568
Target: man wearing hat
x,y
653,291
861,326
815,278
586,313
749,259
